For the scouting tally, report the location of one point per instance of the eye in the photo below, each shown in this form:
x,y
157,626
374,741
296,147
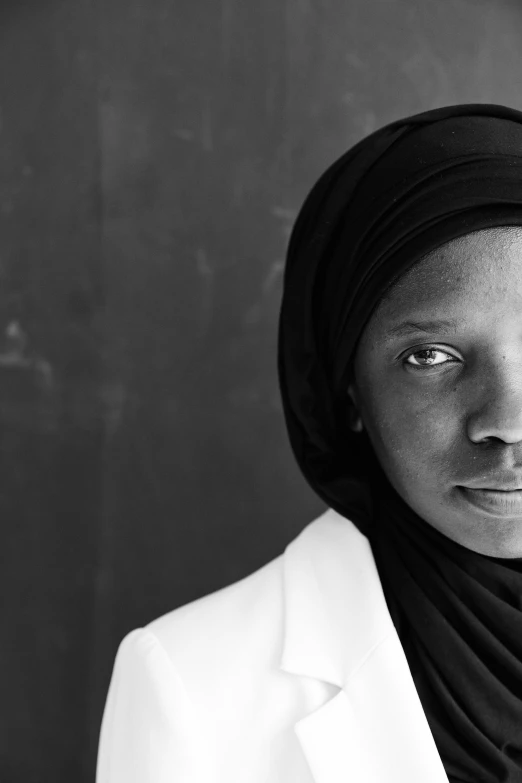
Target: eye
x,y
429,357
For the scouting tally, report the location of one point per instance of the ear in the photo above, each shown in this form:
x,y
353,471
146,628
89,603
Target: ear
x,y
355,421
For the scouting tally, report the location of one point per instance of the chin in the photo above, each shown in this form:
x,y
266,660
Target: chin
x,y
494,538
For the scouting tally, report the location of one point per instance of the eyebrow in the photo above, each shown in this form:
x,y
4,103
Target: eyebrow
x,y
407,328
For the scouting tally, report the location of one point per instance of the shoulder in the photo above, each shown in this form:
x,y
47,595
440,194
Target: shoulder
x,y
241,619
245,620
241,627
190,672
213,668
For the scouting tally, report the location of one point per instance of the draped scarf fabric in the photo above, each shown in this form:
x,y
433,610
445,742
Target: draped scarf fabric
x,y
459,618
402,191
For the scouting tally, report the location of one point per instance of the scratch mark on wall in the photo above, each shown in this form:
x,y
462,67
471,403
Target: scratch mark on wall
x,y
287,216
368,122
353,59
274,273
226,29
207,136
252,315
15,353
206,274
427,72
270,94
238,190
114,395
184,133
284,212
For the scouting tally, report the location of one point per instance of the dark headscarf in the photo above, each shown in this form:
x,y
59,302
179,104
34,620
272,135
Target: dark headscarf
x,y
399,193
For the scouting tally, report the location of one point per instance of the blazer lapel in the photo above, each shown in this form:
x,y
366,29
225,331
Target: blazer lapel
x,y
338,629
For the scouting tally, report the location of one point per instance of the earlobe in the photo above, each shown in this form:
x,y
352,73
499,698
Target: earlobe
x,y
355,421
356,424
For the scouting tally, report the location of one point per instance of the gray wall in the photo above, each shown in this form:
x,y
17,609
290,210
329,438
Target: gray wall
x,y
153,155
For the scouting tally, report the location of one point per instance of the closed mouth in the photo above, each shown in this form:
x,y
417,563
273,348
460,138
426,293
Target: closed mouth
x,y
497,502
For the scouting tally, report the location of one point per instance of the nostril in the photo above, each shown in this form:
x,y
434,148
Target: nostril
x,y
494,441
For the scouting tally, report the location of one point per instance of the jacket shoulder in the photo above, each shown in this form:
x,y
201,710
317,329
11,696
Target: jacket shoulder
x,y
241,626
240,614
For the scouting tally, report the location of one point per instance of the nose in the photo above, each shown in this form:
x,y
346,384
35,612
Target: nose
x,y
497,408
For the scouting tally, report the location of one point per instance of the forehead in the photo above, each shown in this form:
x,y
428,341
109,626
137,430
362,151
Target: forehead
x,y
477,272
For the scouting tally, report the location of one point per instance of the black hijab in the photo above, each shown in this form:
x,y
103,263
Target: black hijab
x,y
399,193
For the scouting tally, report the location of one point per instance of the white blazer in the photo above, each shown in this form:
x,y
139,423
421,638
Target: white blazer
x,y
295,674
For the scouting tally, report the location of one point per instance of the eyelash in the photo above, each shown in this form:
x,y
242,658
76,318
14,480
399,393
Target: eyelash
x,y
434,349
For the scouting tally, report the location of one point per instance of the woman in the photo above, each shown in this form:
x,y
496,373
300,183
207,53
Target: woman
x,y
385,644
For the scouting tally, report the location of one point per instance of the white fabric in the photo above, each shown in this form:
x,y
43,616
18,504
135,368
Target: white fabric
x,y
294,674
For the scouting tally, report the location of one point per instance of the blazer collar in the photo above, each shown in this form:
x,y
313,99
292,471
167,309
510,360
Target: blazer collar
x,y
338,630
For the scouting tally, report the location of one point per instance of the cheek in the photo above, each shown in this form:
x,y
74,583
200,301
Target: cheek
x,y
414,432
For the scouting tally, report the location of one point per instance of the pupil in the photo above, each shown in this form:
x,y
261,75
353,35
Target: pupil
x,y
427,356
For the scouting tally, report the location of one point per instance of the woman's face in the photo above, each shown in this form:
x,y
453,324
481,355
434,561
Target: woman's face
x,y
438,387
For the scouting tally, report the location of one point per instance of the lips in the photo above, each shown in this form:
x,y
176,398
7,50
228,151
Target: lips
x,y
499,487
494,501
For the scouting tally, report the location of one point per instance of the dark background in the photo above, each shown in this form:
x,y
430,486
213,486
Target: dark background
x,y
153,155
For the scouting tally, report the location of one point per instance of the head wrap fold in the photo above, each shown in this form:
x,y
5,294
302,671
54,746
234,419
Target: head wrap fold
x,y
397,194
